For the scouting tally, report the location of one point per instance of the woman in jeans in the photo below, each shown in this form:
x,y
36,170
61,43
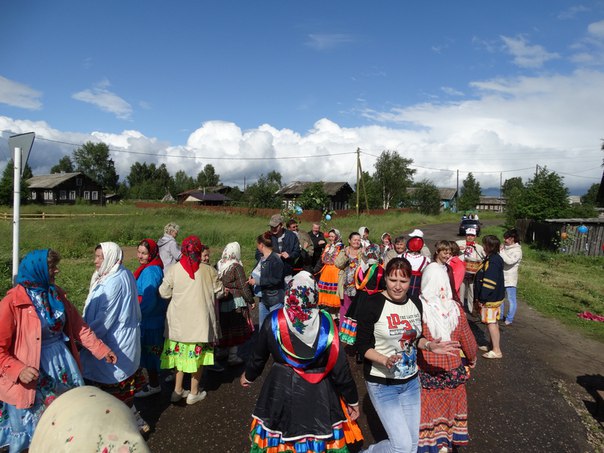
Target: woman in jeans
x,y
511,253
268,276
389,334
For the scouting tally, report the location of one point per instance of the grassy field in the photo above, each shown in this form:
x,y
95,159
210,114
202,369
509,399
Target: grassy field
x,y
556,285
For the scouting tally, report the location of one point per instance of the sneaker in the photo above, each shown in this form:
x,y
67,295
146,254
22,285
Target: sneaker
x,y
483,348
234,361
176,397
192,399
141,424
508,323
147,390
169,378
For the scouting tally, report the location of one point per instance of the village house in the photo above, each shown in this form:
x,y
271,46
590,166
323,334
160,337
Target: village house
x,y
338,192
64,188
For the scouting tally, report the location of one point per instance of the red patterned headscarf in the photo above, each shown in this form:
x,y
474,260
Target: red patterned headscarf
x,y
154,259
191,255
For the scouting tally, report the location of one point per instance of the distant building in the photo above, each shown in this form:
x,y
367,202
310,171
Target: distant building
x,y
448,197
64,188
338,192
495,204
203,197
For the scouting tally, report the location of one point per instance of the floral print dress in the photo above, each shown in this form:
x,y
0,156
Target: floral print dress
x,y
59,372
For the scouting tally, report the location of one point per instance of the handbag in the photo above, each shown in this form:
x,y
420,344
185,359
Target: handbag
x,y
348,330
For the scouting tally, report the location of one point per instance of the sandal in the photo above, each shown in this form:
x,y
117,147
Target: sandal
x,y
492,355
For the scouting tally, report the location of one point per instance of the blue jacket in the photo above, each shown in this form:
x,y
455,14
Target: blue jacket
x,y
153,307
289,244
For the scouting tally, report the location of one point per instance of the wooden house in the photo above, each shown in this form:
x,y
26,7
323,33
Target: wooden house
x,y
64,188
338,192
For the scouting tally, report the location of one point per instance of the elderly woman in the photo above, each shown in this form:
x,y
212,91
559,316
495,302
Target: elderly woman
x,y
112,311
444,415
169,252
329,276
299,407
348,261
191,327
235,320
389,335
511,253
37,362
489,291
148,277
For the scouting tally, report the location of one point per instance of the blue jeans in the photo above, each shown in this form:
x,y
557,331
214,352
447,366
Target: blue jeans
x,y
264,311
399,409
511,293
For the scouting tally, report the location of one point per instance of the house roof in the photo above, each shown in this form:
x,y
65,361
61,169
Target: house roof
x,y
296,188
445,193
200,196
50,181
491,200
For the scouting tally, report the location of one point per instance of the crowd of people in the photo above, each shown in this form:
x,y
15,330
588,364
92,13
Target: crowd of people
x,y
399,307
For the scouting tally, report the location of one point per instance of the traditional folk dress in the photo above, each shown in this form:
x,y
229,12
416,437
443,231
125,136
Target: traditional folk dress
x,y
301,407
329,276
153,308
444,413
235,319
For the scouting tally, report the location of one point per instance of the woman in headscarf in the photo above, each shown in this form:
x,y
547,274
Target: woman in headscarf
x,y
444,415
148,277
39,358
348,261
112,311
191,328
169,252
302,402
364,233
329,276
235,320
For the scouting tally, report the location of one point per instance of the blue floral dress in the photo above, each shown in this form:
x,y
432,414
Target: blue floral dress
x,y
59,372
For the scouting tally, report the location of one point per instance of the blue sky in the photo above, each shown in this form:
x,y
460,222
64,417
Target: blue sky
x,y
495,88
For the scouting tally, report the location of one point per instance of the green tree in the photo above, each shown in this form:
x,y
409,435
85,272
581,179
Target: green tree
x,y
262,194
7,186
393,175
275,177
149,182
182,182
208,177
368,185
426,198
591,196
314,197
544,197
93,160
65,165
511,190
511,185
470,194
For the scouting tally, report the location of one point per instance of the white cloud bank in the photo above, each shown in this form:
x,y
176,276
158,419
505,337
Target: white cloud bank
x,y
19,95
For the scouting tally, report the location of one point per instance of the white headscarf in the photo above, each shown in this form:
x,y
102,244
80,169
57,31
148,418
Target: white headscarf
x,y
441,312
112,259
230,255
300,307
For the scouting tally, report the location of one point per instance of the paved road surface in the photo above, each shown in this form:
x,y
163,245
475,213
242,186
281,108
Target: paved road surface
x,y
516,404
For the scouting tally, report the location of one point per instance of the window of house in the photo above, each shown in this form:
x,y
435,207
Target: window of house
x,y
63,195
78,181
86,195
33,195
48,195
95,195
72,194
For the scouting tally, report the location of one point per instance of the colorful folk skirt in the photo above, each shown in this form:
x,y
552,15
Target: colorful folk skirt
x,y
186,357
124,390
348,330
444,419
237,327
328,287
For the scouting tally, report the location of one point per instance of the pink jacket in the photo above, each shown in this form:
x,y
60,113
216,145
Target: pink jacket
x,y
20,343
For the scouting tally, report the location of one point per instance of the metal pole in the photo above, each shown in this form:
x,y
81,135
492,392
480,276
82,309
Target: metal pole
x,y
16,210
358,178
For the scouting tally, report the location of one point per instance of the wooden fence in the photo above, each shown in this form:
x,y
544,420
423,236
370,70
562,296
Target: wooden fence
x,y
565,235
47,216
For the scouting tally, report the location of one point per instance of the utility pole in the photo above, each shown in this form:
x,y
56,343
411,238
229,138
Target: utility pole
x,y
457,193
358,177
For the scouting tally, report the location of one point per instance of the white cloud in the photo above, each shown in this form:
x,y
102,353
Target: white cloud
x,y
573,11
525,55
328,41
106,100
451,91
506,128
596,29
18,95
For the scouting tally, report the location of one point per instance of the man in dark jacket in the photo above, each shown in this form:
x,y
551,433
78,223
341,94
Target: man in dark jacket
x,y
318,241
285,244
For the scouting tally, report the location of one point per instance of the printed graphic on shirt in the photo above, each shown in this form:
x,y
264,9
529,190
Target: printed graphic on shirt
x,y
395,333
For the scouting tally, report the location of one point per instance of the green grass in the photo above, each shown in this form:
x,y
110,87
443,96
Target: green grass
x,y
556,285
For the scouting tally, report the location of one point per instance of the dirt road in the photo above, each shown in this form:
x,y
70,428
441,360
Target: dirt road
x,y
528,401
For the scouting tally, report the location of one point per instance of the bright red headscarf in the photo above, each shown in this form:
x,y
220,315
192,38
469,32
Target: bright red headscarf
x,y
154,259
191,255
